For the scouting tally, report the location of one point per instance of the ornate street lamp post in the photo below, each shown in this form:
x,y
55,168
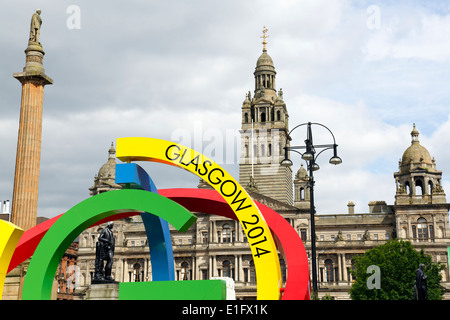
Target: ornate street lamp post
x,y
309,155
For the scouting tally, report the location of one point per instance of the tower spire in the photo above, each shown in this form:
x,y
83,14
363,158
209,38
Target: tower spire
x,y
264,37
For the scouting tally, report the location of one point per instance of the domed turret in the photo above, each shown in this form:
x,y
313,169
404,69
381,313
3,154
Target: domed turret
x,y
108,170
265,74
416,156
418,181
301,189
105,180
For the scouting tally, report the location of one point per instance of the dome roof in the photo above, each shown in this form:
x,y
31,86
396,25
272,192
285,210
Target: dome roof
x,y
302,173
416,153
264,60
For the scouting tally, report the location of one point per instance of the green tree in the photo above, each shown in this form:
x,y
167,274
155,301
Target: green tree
x,y
397,261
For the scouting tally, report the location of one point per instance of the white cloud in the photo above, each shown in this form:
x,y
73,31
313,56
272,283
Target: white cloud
x,y
152,68
410,33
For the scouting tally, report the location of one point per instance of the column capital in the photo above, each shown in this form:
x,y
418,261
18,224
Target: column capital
x,y
36,77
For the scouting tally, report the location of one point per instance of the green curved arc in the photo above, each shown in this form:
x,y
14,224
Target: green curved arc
x,y
41,271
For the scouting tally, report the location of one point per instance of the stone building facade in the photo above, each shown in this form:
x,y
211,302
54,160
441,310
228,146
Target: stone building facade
x,y
217,247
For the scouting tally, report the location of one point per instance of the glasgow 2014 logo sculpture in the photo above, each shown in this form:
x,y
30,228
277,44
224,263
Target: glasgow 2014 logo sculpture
x,y
267,232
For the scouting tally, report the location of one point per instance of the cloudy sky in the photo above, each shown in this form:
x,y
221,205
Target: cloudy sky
x,y
168,69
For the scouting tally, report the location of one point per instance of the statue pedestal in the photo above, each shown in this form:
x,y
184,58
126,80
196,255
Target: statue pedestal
x,y
103,291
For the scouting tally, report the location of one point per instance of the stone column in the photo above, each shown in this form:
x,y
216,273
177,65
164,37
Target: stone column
x,y
339,257
28,157
344,267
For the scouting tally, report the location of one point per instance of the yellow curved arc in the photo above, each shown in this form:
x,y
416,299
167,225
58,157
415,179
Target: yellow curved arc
x,y
264,251
9,238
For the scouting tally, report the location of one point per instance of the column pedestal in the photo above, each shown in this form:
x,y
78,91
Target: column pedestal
x,y
103,291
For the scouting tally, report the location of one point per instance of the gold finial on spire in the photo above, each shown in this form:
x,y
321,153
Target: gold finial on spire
x,y
264,37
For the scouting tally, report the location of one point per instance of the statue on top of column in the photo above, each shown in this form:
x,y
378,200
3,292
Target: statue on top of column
x,y
35,27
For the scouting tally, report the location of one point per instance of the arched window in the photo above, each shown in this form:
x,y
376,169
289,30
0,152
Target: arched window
x,y
419,187
270,149
263,117
278,115
430,187
137,273
407,188
226,267
302,193
246,117
329,269
184,271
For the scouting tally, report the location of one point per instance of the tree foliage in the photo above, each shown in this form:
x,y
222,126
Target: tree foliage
x,y
397,261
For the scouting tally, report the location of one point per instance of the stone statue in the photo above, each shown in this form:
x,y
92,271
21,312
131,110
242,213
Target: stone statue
x,y
420,285
366,235
104,252
35,27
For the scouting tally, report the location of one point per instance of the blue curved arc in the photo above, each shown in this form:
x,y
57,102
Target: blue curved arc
x,y
133,176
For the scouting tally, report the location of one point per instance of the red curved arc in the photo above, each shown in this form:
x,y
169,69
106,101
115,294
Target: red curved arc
x,y
210,202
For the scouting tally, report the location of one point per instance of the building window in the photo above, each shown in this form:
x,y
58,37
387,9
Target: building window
x,y
246,117
329,269
226,233
278,115
354,269
226,265
422,229
303,234
137,277
252,273
204,237
414,231
419,187
263,117
407,188
184,271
